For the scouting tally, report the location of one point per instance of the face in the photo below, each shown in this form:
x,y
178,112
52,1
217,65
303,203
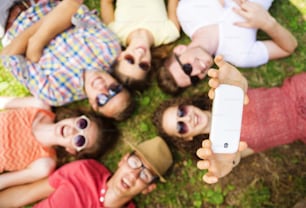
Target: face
x,y
185,121
189,64
133,176
76,133
135,62
105,94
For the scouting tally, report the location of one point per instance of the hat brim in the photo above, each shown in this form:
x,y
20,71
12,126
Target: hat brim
x,y
135,148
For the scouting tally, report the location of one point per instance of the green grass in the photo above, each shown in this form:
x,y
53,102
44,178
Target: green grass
x,y
184,187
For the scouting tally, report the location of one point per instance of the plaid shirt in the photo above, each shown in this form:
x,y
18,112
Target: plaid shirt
x,y
58,77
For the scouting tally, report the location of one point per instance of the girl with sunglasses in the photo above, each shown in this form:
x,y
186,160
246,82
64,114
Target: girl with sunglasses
x,y
30,131
273,116
139,25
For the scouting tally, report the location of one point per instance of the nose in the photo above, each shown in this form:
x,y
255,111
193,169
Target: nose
x,y
134,175
186,118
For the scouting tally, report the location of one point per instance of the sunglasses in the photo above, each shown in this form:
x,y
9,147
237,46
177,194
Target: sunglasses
x,y
79,141
142,65
181,126
187,68
134,162
113,90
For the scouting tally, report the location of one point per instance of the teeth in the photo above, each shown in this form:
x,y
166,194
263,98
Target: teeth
x,y
195,120
126,183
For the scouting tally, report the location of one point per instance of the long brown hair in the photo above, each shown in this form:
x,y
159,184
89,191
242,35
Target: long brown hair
x,y
107,135
202,102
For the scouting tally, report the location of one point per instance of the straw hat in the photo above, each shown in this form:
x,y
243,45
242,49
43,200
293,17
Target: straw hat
x,y
156,153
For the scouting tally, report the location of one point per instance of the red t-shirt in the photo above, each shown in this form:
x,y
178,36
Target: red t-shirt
x,y
78,184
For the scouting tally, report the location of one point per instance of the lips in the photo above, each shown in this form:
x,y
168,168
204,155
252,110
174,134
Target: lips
x,y
125,184
140,50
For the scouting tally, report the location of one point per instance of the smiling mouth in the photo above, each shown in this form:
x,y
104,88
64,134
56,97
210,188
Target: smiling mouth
x,y
125,184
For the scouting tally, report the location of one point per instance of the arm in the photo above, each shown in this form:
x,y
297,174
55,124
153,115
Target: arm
x,y
55,22
172,5
282,42
107,11
22,195
38,169
20,102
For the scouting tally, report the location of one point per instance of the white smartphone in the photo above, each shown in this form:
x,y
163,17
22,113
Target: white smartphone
x,y
226,118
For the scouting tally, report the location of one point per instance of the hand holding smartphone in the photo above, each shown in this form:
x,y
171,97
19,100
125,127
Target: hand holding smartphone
x,y
226,118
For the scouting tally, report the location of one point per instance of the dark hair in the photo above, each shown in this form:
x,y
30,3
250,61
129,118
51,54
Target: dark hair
x,y
107,135
202,102
129,108
129,82
165,79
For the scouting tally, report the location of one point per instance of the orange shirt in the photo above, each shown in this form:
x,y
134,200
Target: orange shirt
x,y
18,146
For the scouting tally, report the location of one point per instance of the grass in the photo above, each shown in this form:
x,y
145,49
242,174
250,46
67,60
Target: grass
x,y
185,187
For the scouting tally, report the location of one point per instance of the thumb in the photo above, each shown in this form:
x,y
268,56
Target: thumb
x,y
219,61
242,146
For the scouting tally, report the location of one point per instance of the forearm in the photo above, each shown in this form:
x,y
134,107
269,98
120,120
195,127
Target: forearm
x,y
21,102
55,22
19,44
107,11
280,35
19,196
172,5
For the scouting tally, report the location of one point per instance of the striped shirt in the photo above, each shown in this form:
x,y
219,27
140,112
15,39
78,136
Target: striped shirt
x,y
58,77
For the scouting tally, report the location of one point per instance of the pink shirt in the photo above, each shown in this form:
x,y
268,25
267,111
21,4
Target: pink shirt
x,y
276,116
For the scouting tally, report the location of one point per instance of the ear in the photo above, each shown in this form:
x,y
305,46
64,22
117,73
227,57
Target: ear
x,y
123,159
150,188
179,49
70,150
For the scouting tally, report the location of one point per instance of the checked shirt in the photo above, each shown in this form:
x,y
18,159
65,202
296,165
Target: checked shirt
x,y
58,77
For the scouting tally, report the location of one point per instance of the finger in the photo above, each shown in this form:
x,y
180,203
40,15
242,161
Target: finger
x,y
203,164
246,99
242,24
211,94
242,146
213,83
206,143
213,73
204,153
219,61
210,178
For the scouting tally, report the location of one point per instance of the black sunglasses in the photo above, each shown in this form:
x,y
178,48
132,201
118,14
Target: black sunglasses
x,y
181,126
142,65
187,69
113,90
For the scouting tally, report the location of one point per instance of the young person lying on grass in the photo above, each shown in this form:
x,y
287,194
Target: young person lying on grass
x,y
272,117
30,131
87,183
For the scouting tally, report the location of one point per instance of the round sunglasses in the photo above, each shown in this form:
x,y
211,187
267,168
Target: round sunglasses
x,y
181,126
79,142
187,69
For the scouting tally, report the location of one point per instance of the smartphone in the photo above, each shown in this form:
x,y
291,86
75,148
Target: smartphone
x,y
226,118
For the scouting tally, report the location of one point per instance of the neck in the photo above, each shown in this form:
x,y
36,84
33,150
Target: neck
x,y
140,37
113,197
43,134
207,38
